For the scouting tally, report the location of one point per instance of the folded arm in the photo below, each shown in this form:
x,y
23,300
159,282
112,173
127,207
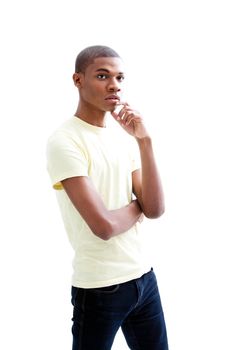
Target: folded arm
x,y
103,223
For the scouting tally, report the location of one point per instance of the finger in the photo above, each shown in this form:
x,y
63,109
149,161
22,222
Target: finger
x,y
132,119
123,103
130,113
122,112
119,109
125,112
115,115
128,117
118,117
119,106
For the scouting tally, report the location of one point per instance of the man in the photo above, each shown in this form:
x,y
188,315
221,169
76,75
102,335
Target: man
x,y
103,192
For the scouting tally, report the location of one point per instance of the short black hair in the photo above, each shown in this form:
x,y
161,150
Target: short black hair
x,y
87,56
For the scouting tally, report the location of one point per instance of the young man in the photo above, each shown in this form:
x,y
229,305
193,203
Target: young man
x,y
104,187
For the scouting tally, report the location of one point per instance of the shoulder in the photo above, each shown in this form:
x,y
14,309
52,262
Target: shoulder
x,y
66,134
67,128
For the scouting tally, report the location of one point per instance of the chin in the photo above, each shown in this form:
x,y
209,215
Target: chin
x,y
109,109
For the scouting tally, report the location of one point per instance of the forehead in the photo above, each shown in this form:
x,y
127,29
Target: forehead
x,y
112,64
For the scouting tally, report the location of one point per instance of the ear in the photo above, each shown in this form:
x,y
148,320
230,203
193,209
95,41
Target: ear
x,y
78,79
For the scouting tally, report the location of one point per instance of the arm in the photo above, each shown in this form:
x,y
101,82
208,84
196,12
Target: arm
x,y
147,186
102,222
146,182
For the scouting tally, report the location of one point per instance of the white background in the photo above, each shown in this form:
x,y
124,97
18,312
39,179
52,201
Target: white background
x,y
179,59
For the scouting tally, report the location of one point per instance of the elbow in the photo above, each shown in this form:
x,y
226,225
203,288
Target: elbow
x,y
104,230
105,236
154,212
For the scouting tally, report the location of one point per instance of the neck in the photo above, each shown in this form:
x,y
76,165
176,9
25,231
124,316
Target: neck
x,y
91,116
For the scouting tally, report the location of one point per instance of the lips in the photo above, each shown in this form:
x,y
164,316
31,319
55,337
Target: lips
x,y
113,98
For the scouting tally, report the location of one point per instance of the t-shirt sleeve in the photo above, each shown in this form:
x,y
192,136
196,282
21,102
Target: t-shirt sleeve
x,y
65,159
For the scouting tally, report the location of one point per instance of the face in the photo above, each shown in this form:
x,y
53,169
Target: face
x,y
100,86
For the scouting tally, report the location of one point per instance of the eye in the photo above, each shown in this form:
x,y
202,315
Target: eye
x,y
102,76
120,78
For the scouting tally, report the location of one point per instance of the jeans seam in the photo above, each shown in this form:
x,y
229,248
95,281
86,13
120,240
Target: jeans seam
x,y
139,294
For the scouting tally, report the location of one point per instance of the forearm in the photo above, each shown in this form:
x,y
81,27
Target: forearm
x,y
124,218
148,188
103,223
151,196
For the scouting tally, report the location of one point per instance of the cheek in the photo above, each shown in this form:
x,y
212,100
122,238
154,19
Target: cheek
x,y
96,91
88,92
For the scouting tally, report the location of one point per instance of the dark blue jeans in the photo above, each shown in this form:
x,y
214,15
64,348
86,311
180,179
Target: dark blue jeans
x,y
134,306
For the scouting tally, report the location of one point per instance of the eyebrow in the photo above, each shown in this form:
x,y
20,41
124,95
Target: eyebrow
x,y
106,70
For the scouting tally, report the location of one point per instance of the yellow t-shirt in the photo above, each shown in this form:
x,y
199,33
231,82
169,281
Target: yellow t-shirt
x,y
108,157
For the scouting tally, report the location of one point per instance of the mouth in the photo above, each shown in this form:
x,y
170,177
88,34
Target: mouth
x,y
112,98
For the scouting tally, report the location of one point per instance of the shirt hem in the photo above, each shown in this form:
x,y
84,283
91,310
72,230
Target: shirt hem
x,y
100,284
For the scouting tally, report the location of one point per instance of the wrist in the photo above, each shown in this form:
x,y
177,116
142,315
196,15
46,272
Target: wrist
x,y
144,141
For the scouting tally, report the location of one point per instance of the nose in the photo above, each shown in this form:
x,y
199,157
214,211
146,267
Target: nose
x,y
114,85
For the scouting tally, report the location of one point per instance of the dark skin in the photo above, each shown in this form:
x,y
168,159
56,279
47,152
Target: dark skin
x,y
100,92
